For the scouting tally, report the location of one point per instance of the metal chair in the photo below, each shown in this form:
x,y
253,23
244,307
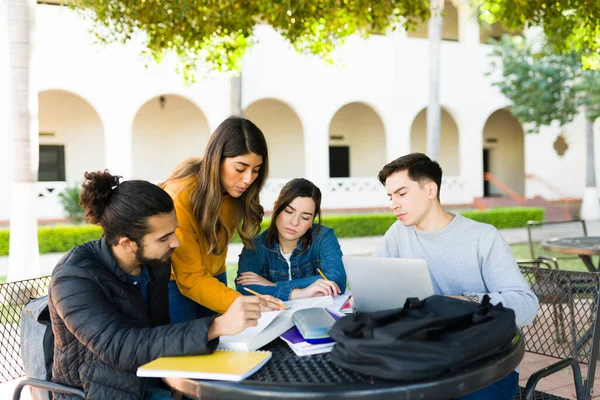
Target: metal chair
x,y
538,231
13,297
578,291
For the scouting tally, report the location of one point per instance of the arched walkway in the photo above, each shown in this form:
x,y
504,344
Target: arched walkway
x,y
357,146
71,137
449,157
285,139
504,151
449,26
166,130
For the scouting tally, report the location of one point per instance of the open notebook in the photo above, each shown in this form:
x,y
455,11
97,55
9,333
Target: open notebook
x,y
223,365
270,325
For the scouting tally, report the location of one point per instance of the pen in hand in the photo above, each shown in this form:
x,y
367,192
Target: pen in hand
x,y
258,294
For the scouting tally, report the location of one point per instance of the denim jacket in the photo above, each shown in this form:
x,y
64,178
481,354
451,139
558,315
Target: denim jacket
x,y
266,261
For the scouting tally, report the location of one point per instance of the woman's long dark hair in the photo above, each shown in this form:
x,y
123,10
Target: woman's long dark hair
x,y
122,209
298,187
234,137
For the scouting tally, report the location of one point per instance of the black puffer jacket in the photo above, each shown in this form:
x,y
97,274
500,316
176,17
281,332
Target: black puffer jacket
x,y
102,332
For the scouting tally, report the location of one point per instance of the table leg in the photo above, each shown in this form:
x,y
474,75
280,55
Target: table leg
x,y
589,263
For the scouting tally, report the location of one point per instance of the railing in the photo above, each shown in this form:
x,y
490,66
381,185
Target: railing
x,y
504,188
48,203
340,193
565,199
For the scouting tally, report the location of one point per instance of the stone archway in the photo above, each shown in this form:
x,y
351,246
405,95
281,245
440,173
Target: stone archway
x,y
356,129
504,151
284,134
449,157
166,130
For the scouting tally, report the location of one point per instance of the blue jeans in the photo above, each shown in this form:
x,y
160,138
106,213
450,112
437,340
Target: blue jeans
x,y
504,389
154,392
182,308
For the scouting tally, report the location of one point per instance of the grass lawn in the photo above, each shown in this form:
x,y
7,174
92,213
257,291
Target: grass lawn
x,y
521,252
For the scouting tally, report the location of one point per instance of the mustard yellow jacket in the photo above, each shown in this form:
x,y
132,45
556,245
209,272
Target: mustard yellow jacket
x,y
192,266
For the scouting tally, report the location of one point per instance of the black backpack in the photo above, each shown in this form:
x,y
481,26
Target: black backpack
x,y
423,339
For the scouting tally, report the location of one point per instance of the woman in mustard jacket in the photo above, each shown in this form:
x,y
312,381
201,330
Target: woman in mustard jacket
x,y
214,196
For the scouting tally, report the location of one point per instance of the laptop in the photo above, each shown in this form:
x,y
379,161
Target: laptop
x,y
385,283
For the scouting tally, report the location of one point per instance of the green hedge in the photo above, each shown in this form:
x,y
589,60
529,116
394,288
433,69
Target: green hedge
x,y
62,238
57,238
509,217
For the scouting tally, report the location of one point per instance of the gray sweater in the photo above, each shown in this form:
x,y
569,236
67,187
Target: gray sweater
x,y
466,256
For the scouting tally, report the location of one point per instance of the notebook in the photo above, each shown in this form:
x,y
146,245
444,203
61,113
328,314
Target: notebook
x,y
223,365
270,325
301,347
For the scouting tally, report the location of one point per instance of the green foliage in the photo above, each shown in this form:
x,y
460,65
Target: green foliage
x,y
215,35
506,217
4,241
569,25
544,86
69,199
62,238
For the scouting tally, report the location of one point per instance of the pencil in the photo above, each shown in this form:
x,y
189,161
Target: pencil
x,y
258,294
322,274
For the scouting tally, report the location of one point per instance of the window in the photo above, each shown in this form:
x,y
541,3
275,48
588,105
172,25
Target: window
x,y
52,163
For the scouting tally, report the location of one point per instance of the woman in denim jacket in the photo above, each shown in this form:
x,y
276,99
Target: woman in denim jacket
x,y
287,257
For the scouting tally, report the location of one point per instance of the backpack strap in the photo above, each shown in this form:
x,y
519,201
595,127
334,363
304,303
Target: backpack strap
x,y
412,303
485,309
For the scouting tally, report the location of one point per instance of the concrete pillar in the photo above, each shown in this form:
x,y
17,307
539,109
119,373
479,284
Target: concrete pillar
x,y
397,125
316,151
468,28
470,147
118,141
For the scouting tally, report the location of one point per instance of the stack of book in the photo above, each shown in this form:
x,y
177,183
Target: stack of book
x,y
301,347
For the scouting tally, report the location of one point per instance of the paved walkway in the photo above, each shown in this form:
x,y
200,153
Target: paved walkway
x,y
350,246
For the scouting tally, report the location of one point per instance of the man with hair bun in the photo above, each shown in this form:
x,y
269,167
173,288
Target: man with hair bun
x,y
108,298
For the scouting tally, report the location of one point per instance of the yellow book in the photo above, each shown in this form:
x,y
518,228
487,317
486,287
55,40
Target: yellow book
x,y
225,365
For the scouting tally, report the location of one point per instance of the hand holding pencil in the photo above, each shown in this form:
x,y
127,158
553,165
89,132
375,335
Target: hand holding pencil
x,y
273,303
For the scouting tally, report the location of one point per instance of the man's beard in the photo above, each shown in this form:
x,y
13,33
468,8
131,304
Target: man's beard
x,y
164,261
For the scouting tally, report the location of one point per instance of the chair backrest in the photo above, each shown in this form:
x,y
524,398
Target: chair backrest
x,y
538,231
564,325
13,296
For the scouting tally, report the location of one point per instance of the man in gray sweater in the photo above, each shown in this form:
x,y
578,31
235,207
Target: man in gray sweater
x,y
466,259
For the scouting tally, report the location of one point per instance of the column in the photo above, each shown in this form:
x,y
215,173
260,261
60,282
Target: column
x,y
118,141
468,28
316,152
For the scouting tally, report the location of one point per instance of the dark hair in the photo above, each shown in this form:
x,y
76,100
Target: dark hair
x,y
122,209
298,187
420,169
233,137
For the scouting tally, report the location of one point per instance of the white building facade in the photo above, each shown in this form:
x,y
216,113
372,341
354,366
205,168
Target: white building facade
x,y
337,125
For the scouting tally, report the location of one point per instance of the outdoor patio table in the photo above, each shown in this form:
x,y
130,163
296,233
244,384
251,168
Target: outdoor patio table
x,y
314,377
585,247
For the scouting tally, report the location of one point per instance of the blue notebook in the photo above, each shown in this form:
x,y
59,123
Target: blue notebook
x,y
293,336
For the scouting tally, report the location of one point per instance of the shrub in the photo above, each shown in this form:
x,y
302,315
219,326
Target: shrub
x,y
69,199
508,217
62,238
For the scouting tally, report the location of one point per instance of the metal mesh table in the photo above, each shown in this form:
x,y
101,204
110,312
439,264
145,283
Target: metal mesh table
x,y
289,376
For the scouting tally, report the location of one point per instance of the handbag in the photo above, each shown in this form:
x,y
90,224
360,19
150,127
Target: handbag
x,y
423,339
